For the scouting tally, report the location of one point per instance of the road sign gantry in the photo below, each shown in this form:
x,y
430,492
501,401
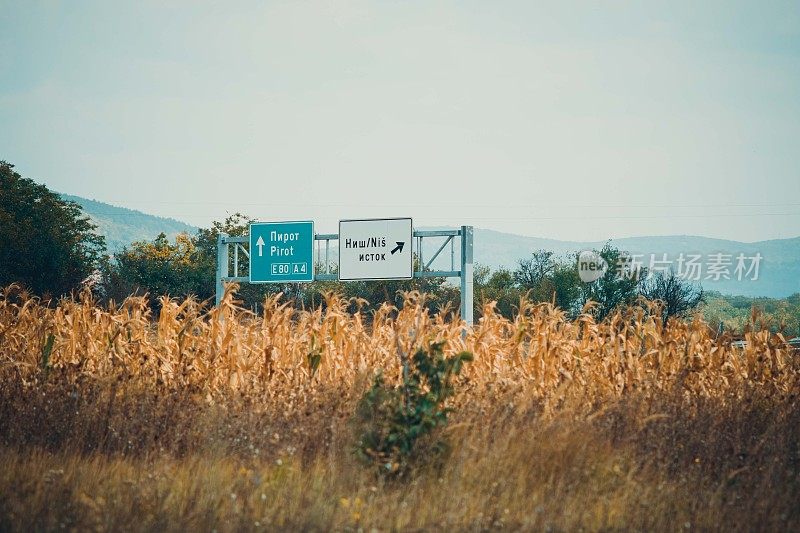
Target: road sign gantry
x,y
229,248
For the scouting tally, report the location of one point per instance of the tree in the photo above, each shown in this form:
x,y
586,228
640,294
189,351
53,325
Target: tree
x,y
234,225
498,286
677,296
734,313
160,268
545,278
533,270
47,244
617,288
566,288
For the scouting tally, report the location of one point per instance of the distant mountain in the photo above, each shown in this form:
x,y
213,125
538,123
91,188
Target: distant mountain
x,y
121,226
778,270
778,273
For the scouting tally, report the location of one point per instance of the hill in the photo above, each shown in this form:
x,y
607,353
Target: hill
x,y
121,226
778,271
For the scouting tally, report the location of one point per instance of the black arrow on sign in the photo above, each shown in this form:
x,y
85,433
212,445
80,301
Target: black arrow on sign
x,y
398,248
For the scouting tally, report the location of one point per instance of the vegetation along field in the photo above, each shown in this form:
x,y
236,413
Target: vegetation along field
x,y
114,419
371,405
380,266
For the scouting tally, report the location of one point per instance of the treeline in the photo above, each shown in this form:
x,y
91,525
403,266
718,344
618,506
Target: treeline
x,y
49,246
740,313
187,266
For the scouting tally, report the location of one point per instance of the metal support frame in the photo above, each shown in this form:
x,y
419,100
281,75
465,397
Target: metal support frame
x,y
465,272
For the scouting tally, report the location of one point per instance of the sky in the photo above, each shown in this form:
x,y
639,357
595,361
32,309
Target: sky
x,y
566,120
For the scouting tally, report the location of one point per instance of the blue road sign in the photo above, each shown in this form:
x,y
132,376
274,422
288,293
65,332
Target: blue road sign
x,y
281,252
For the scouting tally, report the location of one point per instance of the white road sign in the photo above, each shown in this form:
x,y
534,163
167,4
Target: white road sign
x,y
375,249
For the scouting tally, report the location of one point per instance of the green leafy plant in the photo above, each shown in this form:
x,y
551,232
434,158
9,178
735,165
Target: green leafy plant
x,y
47,349
393,418
314,357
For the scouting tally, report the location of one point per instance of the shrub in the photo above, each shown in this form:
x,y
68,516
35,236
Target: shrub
x,y
394,417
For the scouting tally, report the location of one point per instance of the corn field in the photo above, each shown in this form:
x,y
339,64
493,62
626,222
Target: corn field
x,y
557,423
230,351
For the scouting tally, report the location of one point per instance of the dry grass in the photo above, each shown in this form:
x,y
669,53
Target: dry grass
x,y
216,420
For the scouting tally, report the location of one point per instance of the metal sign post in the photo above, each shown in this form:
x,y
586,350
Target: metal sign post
x,y
467,274
226,244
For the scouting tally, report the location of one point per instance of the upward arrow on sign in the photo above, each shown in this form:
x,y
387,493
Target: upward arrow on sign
x,y
398,248
260,244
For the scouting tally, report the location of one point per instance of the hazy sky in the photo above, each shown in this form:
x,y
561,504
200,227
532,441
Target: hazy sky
x,y
567,120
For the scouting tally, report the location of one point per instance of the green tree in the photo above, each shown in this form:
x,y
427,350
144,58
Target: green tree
x,y
47,244
678,297
735,313
498,286
234,225
613,290
532,271
546,278
567,288
161,268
